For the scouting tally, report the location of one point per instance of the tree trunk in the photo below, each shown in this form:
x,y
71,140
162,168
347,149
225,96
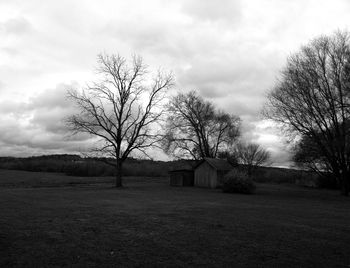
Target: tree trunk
x,y
119,175
249,170
345,183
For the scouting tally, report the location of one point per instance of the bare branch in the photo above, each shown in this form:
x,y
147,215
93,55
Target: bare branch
x,y
312,100
196,129
113,110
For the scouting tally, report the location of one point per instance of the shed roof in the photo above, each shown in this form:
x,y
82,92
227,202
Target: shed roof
x,y
183,165
180,170
218,164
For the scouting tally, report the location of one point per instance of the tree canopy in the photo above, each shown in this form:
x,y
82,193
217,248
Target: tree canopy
x,y
251,156
196,129
120,108
312,100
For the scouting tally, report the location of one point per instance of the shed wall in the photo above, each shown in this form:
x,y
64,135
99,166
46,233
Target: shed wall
x,y
205,176
176,179
188,178
181,178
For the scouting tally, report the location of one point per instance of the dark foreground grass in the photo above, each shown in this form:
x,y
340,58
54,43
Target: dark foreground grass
x,y
150,224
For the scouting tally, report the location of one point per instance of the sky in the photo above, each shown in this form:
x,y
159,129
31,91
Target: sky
x,y
230,51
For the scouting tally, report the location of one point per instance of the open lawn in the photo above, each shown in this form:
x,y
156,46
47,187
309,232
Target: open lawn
x,y
51,220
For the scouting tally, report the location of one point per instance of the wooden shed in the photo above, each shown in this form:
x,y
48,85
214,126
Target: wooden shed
x,y
210,172
181,177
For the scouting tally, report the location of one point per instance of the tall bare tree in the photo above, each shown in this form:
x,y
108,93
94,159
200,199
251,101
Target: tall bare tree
x,y
251,155
195,129
312,99
121,108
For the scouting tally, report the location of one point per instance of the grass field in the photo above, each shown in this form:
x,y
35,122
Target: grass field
x,y
50,220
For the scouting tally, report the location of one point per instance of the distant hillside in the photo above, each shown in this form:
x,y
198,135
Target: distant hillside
x,y
74,165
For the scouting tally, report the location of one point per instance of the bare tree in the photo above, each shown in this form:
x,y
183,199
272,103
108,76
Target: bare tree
x,y
195,129
312,99
251,155
120,109
230,156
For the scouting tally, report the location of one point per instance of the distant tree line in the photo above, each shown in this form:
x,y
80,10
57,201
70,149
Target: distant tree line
x,y
75,165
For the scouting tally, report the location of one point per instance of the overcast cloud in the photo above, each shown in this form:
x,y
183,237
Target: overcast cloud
x,y
230,51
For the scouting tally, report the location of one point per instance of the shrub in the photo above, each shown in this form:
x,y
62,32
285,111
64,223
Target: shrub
x,y
238,182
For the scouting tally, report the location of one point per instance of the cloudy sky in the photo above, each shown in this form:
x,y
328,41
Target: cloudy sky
x,y
231,51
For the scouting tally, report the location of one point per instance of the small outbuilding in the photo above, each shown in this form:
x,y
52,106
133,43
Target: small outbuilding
x,y
182,173
181,177
210,172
